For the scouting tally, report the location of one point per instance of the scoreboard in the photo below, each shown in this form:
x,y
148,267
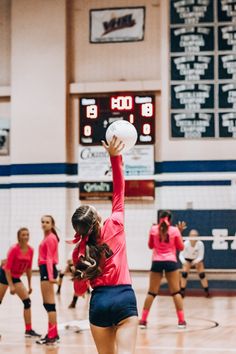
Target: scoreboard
x,y
98,112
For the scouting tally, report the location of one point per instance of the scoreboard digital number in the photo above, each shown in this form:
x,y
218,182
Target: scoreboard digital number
x,y
97,113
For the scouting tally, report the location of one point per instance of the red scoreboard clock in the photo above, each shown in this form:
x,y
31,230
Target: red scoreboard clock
x,y
97,112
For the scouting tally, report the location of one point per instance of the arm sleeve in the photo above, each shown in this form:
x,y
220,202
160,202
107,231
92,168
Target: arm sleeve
x,y
50,249
10,258
118,189
31,258
151,240
179,243
200,256
80,286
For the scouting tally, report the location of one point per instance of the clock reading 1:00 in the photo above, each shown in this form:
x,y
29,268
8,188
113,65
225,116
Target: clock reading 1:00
x,y
97,113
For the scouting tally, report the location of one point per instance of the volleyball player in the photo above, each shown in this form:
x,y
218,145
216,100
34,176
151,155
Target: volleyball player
x,y
48,258
192,256
19,261
100,260
164,240
68,269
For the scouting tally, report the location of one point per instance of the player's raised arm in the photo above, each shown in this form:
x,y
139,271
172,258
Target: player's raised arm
x,y
114,149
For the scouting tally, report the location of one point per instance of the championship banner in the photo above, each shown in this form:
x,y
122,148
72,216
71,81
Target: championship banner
x,y
117,25
202,68
94,163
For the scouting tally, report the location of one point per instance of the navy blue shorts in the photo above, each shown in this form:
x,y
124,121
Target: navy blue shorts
x,y
167,266
3,279
44,272
111,304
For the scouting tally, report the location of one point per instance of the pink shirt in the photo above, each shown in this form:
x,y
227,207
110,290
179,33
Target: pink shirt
x,y
165,251
17,261
48,253
115,269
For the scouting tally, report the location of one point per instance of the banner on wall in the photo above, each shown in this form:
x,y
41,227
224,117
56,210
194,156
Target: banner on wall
x,y
100,190
203,69
117,25
4,136
94,162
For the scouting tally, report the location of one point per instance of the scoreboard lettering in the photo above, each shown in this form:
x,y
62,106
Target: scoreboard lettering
x,y
96,113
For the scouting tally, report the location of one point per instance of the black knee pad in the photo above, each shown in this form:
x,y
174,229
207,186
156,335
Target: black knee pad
x,y
176,293
27,303
49,307
152,294
202,275
185,275
61,275
0,302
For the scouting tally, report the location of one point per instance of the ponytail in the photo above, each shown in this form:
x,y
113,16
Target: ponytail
x,y
53,229
163,226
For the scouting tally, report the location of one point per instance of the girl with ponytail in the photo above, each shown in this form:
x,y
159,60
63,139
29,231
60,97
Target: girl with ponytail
x,y
47,261
164,240
100,260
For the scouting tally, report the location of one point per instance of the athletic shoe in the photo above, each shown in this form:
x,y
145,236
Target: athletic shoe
x,y
48,341
142,324
182,324
31,333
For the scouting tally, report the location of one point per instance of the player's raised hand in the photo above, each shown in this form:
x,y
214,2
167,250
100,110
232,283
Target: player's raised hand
x,y
114,147
181,226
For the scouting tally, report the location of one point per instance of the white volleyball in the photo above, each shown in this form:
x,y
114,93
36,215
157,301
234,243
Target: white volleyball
x,y
125,131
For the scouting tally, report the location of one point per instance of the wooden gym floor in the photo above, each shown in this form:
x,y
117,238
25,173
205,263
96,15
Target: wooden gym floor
x,y
211,324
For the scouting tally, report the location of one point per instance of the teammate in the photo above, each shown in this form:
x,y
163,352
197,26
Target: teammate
x,y
19,261
100,259
48,258
164,240
192,256
61,276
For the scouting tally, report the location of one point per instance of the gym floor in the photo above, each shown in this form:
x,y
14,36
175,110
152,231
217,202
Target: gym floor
x,y
211,324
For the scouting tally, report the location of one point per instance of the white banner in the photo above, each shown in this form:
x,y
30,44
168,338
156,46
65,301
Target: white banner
x,y
117,25
94,163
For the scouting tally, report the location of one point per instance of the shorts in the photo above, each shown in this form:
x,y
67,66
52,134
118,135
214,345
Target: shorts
x,y
3,279
111,304
167,266
44,272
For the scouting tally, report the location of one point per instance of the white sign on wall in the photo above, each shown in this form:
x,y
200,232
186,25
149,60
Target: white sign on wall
x,y
117,25
94,163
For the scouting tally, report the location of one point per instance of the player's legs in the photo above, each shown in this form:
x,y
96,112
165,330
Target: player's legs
x,y
154,285
201,272
184,276
104,338
48,295
3,289
23,294
173,283
126,334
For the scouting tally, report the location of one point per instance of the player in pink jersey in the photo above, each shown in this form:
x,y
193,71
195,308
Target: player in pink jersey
x,y
19,261
164,240
47,260
100,260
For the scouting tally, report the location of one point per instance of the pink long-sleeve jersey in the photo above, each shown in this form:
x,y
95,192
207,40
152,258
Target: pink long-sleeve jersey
x,y
18,261
165,251
48,253
115,269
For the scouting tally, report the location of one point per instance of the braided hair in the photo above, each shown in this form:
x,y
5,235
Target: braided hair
x,y
86,222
